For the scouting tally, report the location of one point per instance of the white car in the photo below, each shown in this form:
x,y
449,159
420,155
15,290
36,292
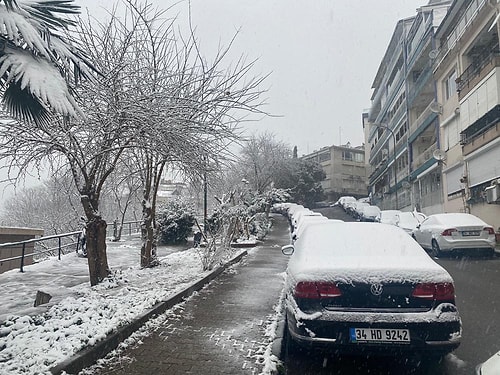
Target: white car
x,y
388,216
302,214
491,366
307,221
362,287
454,232
408,221
369,213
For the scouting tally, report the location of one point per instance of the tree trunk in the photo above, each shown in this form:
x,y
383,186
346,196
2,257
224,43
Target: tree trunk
x,y
96,250
148,248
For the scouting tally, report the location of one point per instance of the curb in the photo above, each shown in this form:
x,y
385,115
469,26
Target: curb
x,y
90,355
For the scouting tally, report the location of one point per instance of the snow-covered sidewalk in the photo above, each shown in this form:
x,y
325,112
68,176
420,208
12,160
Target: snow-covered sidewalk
x,y
32,340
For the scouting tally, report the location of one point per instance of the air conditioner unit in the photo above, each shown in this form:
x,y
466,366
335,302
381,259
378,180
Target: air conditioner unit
x,y
493,194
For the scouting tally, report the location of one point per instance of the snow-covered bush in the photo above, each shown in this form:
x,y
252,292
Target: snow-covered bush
x,y
175,221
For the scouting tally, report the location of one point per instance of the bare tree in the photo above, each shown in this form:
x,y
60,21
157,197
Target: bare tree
x,y
180,113
261,156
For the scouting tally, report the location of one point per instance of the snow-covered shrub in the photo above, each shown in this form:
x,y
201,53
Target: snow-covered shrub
x,y
175,221
260,225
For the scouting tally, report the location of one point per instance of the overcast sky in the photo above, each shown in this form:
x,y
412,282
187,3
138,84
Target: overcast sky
x,y
322,55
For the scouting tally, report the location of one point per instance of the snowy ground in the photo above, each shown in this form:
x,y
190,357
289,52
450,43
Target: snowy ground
x,y
32,340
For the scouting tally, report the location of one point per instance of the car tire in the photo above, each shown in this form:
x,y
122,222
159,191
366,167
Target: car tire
x,y
436,251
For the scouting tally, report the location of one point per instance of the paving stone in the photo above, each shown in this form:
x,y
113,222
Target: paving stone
x,y
221,329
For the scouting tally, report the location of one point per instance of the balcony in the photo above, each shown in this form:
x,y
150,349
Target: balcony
x,y
482,139
425,118
481,132
475,73
423,157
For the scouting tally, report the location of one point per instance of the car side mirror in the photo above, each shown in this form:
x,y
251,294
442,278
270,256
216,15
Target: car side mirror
x,y
288,249
418,226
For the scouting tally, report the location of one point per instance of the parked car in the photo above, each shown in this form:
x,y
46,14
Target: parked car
x,y
369,213
306,221
490,367
452,232
344,201
300,215
387,217
379,291
356,209
408,221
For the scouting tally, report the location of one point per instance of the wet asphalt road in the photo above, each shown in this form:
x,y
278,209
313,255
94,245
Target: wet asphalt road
x,y
476,283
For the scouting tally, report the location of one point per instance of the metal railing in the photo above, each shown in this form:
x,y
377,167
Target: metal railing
x,y
49,251
132,226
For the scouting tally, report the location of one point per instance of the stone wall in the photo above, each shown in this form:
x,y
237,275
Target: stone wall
x,y
8,235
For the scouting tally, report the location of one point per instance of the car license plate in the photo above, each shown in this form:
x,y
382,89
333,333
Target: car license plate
x,y
362,335
469,233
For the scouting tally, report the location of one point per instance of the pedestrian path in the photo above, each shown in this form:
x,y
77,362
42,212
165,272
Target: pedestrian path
x,y
221,329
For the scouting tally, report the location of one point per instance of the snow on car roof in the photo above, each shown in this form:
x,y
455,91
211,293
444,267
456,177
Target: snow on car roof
x,y
458,219
362,252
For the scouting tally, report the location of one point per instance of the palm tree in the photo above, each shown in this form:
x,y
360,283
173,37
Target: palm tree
x,y
38,64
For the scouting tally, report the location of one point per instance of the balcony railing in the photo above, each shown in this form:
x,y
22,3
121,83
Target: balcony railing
x,y
424,156
421,119
476,72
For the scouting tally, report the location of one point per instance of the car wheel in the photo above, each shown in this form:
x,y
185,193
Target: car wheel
x,y
436,251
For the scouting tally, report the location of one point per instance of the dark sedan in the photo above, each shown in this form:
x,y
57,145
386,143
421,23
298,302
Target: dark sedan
x,y
358,287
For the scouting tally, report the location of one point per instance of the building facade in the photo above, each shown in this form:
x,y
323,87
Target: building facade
x,y
402,125
432,134
345,170
468,80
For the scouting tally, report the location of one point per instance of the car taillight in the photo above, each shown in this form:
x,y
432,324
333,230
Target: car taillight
x,y
435,291
490,230
448,232
316,290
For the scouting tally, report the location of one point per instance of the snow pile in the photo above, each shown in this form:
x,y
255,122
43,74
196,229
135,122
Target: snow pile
x,y
34,344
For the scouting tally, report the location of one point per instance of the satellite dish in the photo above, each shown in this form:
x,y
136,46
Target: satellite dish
x,y
406,185
433,54
435,107
439,155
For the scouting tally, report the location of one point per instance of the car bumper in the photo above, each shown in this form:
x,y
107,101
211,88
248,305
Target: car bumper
x,y
332,331
450,245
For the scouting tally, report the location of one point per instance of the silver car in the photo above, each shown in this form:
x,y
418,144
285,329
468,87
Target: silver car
x,y
455,232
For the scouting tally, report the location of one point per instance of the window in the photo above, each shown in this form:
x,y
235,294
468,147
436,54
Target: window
x,y
450,85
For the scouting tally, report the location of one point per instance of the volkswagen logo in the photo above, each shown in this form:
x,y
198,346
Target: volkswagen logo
x,y
376,289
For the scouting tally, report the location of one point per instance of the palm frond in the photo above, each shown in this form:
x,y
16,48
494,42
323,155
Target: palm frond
x,y
48,12
22,105
39,76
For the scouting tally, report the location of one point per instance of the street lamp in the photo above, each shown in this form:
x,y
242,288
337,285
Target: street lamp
x,y
395,164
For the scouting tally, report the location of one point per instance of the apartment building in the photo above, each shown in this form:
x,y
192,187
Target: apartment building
x,y
432,134
402,125
468,94
345,170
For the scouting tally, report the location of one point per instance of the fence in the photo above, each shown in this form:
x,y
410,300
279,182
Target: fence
x,y
65,243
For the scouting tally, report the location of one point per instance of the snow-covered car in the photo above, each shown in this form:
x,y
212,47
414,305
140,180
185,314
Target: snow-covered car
x,y
490,367
453,232
306,220
408,221
369,213
387,217
356,209
345,201
379,291
299,215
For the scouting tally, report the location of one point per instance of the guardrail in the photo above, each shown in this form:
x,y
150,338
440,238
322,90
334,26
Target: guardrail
x,y
49,251
74,244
